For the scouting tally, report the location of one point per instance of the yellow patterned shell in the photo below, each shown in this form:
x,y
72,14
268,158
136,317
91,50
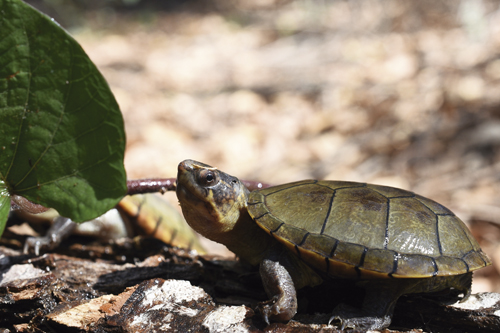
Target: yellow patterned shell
x,y
357,230
158,219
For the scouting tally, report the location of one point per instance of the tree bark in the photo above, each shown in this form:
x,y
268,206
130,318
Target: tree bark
x,y
144,285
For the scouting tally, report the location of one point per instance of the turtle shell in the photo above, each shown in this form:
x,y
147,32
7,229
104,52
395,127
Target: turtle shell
x,y
156,218
358,230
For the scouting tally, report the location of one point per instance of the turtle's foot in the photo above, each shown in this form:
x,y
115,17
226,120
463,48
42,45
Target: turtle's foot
x,y
351,317
276,309
60,229
279,286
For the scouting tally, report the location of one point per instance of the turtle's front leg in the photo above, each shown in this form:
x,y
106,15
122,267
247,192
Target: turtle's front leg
x,y
282,274
279,286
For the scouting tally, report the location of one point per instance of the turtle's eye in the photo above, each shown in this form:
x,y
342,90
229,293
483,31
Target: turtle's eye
x,y
207,178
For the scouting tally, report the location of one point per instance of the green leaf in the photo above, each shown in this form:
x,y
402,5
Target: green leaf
x,y
4,206
62,139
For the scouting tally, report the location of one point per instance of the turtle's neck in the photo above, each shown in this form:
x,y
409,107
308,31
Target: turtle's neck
x,y
246,239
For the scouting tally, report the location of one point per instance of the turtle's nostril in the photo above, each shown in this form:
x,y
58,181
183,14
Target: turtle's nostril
x,y
185,165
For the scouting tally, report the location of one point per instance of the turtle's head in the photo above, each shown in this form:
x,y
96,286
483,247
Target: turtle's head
x,y
211,200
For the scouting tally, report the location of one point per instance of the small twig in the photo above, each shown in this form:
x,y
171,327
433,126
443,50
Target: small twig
x,y
18,202
162,185
134,186
150,185
252,185
487,213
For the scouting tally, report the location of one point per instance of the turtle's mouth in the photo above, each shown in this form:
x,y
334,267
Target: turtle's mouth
x,y
193,205
187,188
186,194
191,196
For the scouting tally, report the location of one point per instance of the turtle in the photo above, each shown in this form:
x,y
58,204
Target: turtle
x,y
390,241
138,214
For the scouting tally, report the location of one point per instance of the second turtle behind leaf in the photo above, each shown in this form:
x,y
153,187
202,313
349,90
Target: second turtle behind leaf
x,y
393,242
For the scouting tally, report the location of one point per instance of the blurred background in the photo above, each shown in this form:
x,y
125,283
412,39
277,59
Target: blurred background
x,y
400,93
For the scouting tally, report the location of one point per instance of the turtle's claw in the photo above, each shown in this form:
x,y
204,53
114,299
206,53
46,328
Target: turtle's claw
x,y
273,311
60,229
37,244
350,317
264,310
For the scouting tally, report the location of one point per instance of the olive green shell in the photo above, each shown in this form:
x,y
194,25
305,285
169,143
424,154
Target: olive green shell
x,y
349,229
